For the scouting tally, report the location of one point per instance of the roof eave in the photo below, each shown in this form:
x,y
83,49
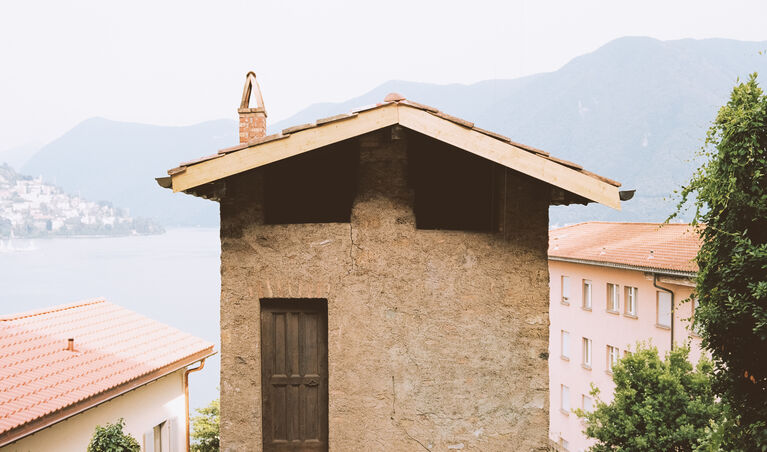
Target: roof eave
x,y
451,130
660,271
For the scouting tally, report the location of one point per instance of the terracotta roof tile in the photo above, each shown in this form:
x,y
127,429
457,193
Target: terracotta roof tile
x,y
648,245
298,128
335,118
112,346
419,106
233,148
451,118
265,139
497,136
531,149
394,97
562,161
200,160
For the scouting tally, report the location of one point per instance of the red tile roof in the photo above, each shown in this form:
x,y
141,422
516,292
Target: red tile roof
x,y
647,245
112,346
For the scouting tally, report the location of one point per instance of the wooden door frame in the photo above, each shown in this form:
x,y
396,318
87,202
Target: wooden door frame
x,y
309,305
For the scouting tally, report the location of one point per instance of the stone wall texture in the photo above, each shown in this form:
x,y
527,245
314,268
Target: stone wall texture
x,y
437,340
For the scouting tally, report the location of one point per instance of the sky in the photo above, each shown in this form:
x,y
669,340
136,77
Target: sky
x,y
182,62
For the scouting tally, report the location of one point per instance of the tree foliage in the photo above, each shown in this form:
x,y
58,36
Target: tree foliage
x,y
730,193
658,404
205,428
112,439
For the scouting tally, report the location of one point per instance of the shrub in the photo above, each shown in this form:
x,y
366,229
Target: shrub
x,y
658,404
112,439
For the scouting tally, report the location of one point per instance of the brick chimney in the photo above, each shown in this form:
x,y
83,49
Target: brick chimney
x,y
252,119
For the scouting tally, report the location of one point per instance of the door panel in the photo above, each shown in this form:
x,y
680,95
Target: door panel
x,y
294,375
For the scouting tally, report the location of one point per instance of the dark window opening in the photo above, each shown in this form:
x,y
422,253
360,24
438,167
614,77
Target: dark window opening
x,y
453,188
316,187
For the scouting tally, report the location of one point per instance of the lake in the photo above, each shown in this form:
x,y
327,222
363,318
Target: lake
x,y
173,278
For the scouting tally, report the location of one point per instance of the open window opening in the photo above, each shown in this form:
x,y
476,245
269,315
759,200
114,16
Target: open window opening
x,y
315,187
454,189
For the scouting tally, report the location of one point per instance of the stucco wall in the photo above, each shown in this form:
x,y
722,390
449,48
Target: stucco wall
x,y
437,339
603,328
142,409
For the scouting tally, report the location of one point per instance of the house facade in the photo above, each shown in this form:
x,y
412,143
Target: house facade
x,y
384,280
613,285
69,368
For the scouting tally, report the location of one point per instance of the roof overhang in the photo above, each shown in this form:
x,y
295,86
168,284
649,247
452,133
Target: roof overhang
x,y
659,271
55,417
425,120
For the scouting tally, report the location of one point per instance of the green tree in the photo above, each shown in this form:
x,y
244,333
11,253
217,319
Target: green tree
x,y
205,428
658,404
730,198
112,439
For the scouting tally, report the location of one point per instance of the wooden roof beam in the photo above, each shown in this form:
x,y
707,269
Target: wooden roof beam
x,y
509,156
295,144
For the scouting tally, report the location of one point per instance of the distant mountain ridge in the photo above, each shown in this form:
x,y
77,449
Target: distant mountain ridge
x,y
117,162
635,110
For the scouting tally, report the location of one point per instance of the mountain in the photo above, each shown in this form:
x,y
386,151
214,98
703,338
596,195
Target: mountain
x,y
117,162
635,110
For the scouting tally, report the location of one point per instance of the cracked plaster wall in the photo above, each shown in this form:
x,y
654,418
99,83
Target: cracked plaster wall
x,y
437,339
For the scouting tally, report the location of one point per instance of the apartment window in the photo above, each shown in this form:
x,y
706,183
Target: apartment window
x,y
664,309
631,301
565,398
586,294
565,290
565,345
587,403
586,352
564,443
694,326
613,303
612,357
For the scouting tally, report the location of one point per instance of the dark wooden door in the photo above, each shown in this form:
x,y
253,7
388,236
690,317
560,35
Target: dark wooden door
x,y
294,374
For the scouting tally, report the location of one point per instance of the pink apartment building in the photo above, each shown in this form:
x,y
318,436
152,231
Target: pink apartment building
x,y
612,285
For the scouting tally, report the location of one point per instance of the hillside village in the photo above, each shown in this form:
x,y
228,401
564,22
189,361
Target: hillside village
x,y
31,208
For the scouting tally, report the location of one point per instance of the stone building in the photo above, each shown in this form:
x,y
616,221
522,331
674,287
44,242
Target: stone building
x,y
384,280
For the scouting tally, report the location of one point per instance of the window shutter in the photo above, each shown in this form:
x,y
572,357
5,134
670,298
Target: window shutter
x,y
149,441
173,432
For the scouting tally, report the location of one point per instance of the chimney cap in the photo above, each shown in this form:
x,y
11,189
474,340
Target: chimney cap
x,y
251,88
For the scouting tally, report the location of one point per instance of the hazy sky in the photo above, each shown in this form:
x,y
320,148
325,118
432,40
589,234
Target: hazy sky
x,y
181,62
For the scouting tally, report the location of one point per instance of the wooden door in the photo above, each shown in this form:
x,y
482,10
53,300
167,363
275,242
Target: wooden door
x,y
294,374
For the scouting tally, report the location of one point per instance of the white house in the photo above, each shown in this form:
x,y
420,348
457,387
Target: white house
x,y
68,368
